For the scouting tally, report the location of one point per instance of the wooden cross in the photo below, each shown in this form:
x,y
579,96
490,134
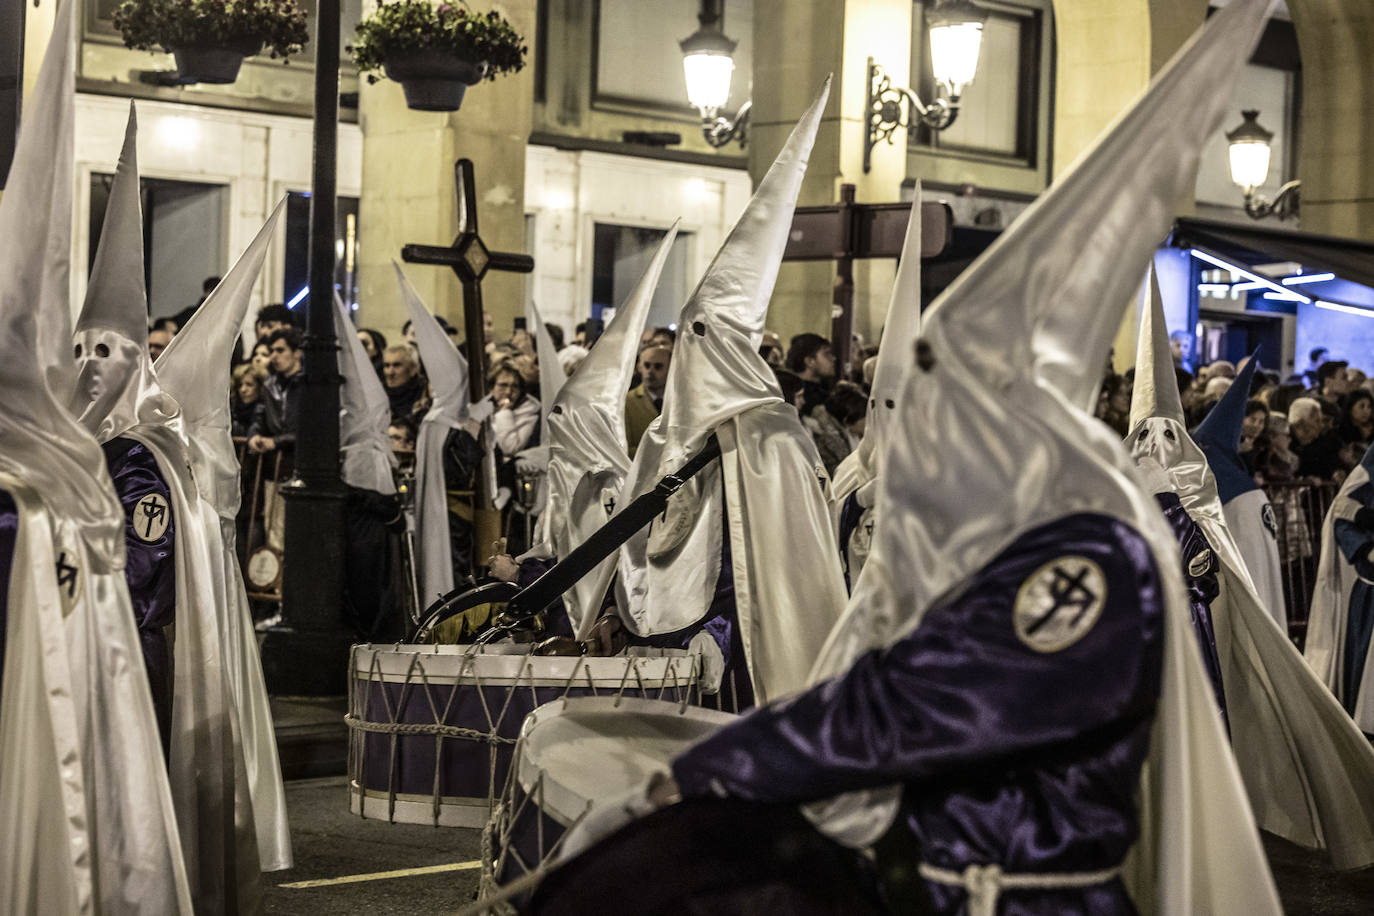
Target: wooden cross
x,y
471,259
847,230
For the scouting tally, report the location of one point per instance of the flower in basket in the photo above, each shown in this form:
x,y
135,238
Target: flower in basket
x,y
243,25
409,27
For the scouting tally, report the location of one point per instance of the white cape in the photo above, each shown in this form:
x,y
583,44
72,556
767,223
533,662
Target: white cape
x,y
1253,524
192,370
1326,624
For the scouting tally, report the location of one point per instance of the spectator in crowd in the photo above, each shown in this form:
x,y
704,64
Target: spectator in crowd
x,y
645,400
1273,458
870,371
207,286
663,337
271,318
1357,418
1318,449
515,419
262,359
811,358
1315,359
838,424
275,424
580,334
245,394
772,355
1331,384
374,344
1251,428
403,432
401,377
555,333
1114,404
1355,378
570,357
792,387
158,339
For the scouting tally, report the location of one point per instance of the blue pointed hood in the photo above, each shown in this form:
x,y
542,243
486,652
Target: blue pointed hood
x,y
1219,436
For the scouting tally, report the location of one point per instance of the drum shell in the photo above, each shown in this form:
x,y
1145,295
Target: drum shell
x,y
405,763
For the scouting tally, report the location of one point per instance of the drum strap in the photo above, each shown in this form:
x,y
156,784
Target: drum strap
x,y
985,883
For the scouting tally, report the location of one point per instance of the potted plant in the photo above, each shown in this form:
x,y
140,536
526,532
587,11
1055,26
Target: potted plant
x,y
210,38
436,51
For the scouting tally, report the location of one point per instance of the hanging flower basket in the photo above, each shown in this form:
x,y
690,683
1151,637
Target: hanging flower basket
x,y
210,38
436,51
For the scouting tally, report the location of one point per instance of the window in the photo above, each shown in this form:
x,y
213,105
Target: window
x,y
621,255
1001,116
637,60
184,237
296,277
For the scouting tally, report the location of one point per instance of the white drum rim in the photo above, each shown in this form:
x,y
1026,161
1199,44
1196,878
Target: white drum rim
x,y
560,802
654,668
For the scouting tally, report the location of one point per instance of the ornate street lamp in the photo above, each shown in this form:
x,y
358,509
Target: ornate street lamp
x,y
1249,158
956,38
708,64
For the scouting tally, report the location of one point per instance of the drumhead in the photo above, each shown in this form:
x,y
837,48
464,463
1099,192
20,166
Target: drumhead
x,y
507,665
590,749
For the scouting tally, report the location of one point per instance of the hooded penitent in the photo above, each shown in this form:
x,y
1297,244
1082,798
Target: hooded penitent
x,y
788,587
193,370
140,430
84,796
1308,771
1023,593
448,386
853,489
1249,515
364,413
1339,647
588,453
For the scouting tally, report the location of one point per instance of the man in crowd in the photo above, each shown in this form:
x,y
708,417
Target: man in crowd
x,y
811,358
404,386
1331,381
207,286
645,400
158,339
1319,449
271,318
275,424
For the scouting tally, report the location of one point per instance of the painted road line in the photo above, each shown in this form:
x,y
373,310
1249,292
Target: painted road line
x,y
384,875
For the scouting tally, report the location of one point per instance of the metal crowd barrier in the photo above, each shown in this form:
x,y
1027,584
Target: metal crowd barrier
x,y
1299,509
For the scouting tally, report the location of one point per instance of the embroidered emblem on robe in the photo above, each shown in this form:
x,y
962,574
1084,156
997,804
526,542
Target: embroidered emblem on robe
x,y
1059,603
1201,564
151,517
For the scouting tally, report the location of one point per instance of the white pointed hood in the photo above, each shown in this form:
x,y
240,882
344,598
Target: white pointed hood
x,y
901,327
1308,770
551,375
194,369
585,433
364,413
116,389
447,370
768,484
996,442
91,822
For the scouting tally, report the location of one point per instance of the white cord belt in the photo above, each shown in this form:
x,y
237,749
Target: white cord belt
x,y
985,883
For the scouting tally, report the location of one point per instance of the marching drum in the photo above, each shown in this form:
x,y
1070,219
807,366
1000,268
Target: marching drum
x,y
572,755
433,729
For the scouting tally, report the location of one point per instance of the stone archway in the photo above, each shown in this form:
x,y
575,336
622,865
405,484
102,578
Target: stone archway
x,y
1336,136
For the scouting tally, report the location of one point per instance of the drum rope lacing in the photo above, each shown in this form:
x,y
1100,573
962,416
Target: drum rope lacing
x,y
394,702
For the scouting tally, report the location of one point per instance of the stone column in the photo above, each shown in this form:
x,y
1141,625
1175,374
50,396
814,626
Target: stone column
x,y
1336,136
408,192
1107,53
797,43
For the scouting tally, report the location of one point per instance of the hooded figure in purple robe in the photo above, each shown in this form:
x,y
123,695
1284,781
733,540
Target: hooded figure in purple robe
x,y
1018,644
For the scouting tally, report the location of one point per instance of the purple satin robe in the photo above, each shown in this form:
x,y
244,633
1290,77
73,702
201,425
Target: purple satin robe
x,y
150,567
1200,570
9,531
1011,751
722,623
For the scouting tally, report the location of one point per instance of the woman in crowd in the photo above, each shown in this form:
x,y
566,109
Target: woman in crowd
x,y
374,342
838,424
245,393
262,359
1357,418
514,428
